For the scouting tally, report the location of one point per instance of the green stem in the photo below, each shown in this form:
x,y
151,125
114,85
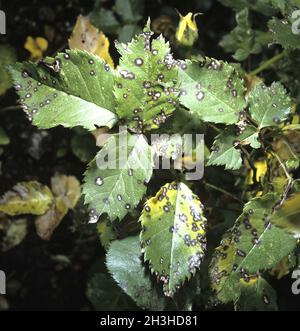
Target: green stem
x,y
223,191
268,63
9,108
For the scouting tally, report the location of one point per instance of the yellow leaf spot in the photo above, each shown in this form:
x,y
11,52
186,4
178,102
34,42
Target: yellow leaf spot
x,y
187,31
36,47
87,37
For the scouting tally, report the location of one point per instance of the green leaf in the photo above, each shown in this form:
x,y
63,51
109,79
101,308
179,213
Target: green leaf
x,y
106,233
125,265
26,198
104,19
130,11
212,90
257,295
4,138
105,295
145,89
7,56
173,238
115,187
253,244
265,7
127,32
83,146
15,232
225,148
243,40
282,33
259,245
288,216
72,89
269,106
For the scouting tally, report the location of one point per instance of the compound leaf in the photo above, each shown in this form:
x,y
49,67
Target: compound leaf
x,y
173,238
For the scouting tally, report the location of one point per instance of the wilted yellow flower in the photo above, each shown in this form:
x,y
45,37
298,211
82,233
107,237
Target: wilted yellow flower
x,y
187,31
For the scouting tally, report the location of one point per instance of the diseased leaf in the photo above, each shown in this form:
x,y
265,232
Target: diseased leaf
x,y
282,33
66,190
257,295
72,89
15,232
26,198
88,38
115,186
259,244
253,245
146,89
7,56
173,238
47,223
288,216
269,106
124,262
225,150
66,187
212,90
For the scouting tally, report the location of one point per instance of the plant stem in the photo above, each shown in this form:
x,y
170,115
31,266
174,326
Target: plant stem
x,y
9,108
223,191
268,63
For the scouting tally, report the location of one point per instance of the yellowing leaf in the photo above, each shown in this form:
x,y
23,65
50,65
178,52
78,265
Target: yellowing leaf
x,y
66,190
288,216
187,31
36,47
47,223
283,267
27,198
67,187
87,37
173,238
15,232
